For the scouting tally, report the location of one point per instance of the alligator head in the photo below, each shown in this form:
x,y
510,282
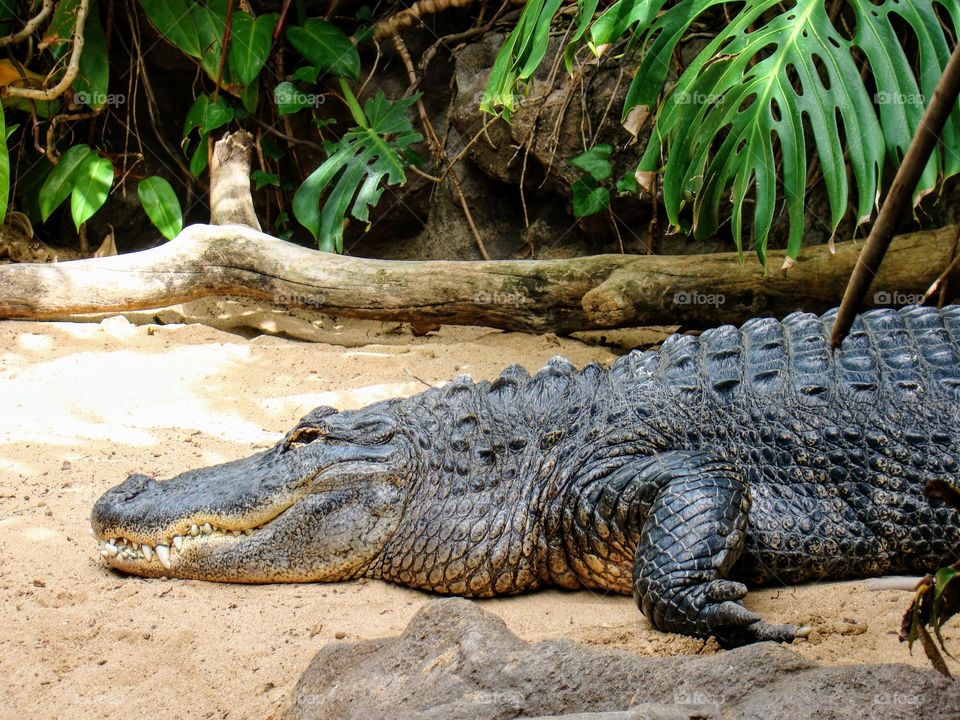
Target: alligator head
x,y
318,506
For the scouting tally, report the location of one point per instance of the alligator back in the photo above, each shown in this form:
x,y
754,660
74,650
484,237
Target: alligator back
x,y
836,447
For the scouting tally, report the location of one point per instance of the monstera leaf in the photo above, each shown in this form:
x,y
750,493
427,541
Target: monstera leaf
x,y
735,119
371,153
777,85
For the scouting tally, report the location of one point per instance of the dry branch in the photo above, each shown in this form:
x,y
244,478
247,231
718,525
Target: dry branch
x,y
597,292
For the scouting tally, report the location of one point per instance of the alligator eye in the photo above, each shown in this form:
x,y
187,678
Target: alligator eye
x,y
300,436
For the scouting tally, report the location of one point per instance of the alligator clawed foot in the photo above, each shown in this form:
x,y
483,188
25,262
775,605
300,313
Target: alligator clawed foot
x,y
759,631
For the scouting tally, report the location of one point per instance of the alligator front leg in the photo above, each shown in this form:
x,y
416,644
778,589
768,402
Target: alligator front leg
x,y
691,536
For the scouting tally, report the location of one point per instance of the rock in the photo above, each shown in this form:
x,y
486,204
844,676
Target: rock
x,y
456,661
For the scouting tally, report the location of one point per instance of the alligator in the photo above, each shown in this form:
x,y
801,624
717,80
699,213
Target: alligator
x,y
742,456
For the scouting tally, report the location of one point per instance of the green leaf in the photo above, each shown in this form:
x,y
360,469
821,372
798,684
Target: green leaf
x,y
262,179
161,205
93,78
205,117
307,74
628,183
92,182
4,168
250,45
519,56
59,183
209,28
290,99
58,37
595,161
775,81
326,47
588,197
174,21
365,158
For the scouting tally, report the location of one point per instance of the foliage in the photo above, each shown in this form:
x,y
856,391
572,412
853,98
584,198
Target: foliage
x,y
780,75
937,597
374,151
589,196
228,92
161,205
84,176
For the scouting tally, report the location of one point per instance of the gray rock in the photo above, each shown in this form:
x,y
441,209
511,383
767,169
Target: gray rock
x,y
456,661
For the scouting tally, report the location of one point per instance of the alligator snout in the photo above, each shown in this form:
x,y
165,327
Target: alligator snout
x,y
131,504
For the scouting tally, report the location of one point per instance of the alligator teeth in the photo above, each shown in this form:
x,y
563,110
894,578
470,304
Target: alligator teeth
x,y
163,555
109,548
237,533
178,542
147,552
206,529
194,530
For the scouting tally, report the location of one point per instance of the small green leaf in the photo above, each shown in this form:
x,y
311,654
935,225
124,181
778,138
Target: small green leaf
x,y
588,197
92,182
326,47
4,169
262,179
60,181
250,45
199,159
628,183
595,161
290,99
173,20
161,205
307,74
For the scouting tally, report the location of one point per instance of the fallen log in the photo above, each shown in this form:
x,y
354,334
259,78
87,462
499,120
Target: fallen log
x,y
563,296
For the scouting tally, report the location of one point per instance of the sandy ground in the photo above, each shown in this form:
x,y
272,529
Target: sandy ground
x,y
83,405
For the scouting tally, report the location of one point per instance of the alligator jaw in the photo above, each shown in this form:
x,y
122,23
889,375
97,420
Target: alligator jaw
x,y
278,516
154,559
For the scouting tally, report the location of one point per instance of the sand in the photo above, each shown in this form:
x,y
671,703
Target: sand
x,y
83,405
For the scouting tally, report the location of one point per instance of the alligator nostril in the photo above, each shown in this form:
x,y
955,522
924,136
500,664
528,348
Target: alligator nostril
x,y
132,487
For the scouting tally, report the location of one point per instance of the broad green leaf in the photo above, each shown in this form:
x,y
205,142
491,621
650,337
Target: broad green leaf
x,y
366,157
174,21
4,168
326,47
595,161
59,183
209,28
93,79
250,96
161,205
92,182
588,197
200,158
290,99
615,20
250,45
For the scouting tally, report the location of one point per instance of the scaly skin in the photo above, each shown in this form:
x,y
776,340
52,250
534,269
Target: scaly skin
x,y
748,455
